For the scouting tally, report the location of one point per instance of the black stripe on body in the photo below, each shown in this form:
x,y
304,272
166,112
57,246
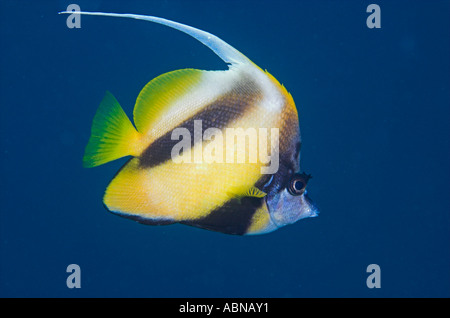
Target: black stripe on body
x,y
218,114
233,217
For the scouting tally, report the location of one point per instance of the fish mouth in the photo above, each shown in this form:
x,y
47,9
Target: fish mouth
x,y
314,211
288,210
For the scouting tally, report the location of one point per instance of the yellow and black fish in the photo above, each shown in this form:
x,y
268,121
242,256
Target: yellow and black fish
x,y
179,118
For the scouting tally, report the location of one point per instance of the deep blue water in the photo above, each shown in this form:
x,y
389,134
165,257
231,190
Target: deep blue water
x,y
374,109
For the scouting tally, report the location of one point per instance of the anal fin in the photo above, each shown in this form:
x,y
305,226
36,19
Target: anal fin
x,y
128,195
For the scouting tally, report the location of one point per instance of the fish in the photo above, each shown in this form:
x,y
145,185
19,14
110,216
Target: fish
x,y
181,170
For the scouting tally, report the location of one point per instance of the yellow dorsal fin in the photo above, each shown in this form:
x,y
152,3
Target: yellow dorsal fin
x,y
160,93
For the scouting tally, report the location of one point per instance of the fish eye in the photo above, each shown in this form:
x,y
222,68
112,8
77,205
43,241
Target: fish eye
x,y
298,183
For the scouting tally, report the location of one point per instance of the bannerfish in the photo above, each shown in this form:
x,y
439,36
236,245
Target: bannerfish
x,y
181,169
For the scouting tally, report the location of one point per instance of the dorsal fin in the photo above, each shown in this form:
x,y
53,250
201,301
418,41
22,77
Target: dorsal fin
x,y
225,51
160,93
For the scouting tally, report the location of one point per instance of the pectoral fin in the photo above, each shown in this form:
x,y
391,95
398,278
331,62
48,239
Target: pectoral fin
x,y
239,193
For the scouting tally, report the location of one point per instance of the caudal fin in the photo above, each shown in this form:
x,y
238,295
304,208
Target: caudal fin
x,y
113,136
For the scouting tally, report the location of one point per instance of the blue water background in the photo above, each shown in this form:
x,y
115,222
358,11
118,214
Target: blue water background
x,y
374,107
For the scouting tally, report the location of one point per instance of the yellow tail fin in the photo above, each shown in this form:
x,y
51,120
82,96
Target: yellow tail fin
x,y
113,136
